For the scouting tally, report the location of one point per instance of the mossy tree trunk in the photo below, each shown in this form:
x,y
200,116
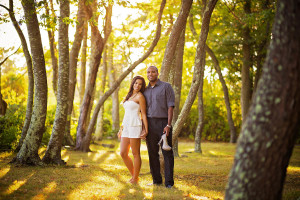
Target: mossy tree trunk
x,y
200,125
83,61
176,81
81,17
199,64
28,153
53,152
270,129
27,55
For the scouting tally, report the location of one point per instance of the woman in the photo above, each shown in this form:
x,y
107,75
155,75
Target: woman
x,y
133,128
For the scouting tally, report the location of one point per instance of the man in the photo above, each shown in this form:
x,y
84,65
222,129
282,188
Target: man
x,y
160,100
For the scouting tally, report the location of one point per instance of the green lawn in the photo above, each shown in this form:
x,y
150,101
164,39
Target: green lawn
x,y
101,174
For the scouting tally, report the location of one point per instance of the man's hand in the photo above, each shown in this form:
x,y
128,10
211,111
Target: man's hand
x,y
167,130
144,134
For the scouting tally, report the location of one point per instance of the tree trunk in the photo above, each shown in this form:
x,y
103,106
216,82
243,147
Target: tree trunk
x,y
123,75
51,36
270,129
81,17
28,153
200,125
233,135
176,81
247,63
53,152
173,40
99,126
83,61
30,75
96,50
262,47
199,64
115,95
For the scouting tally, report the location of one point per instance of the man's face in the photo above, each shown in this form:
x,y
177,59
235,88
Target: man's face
x,y
152,74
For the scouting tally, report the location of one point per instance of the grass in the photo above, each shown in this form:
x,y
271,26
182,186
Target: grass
x,y
101,174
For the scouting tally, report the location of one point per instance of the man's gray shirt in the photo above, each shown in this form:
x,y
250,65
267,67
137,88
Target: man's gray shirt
x,y
159,98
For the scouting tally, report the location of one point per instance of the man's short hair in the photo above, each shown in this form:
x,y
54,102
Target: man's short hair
x,y
154,68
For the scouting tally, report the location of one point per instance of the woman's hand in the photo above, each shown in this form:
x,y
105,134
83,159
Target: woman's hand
x,y
144,134
120,133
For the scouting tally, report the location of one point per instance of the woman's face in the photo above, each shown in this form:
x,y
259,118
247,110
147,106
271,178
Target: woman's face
x,y
137,85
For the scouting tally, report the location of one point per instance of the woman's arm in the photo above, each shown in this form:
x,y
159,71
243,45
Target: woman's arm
x,y
142,102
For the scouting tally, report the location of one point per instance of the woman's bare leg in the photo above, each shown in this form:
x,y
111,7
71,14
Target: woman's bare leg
x,y
135,144
124,150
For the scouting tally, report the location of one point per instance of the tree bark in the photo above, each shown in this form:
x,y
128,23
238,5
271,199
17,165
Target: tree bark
x,y
199,63
28,153
51,36
123,75
200,125
53,152
262,47
83,62
29,72
176,81
83,142
270,129
247,63
233,134
99,126
115,95
81,17
173,40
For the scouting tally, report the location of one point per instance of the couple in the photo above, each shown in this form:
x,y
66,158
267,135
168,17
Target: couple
x,y
155,103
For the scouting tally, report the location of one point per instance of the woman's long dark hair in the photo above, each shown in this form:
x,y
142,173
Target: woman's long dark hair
x,y
131,87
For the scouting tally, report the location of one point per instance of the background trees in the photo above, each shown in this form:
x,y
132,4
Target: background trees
x,y
134,35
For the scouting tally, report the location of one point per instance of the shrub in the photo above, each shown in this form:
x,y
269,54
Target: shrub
x,y
11,127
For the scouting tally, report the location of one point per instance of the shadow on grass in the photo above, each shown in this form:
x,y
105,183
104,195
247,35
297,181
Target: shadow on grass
x,y
29,182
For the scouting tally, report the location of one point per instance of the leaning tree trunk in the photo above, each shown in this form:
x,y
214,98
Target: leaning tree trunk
x,y
233,135
29,72
199,64
28,153
173,40
83,61
115,94
53,152
200,125
99,126
81,17
122,77
51,36
96,50
247,62
177,82
270,129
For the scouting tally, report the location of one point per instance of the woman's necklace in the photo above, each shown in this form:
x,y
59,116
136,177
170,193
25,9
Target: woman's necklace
x,y
133,96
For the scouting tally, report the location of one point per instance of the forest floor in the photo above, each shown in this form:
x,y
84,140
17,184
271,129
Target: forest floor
x,y
101,174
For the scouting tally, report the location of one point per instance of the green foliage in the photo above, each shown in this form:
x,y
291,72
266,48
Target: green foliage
x,y
11,127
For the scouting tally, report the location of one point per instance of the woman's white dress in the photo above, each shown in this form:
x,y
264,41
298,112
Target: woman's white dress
x,y
132,123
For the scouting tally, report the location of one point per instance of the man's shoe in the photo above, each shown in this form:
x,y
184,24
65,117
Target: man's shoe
x,y
169,186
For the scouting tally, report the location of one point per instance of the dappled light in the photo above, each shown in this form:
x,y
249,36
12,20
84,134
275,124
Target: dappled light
x,y
16,185
50,188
